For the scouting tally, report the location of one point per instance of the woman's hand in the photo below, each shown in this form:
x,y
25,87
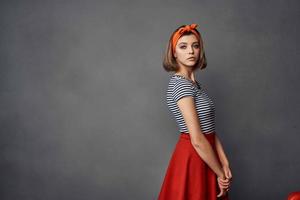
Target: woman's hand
x,y
222,192
228,176
227,172
223,183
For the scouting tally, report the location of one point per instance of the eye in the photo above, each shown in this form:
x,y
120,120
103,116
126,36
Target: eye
x,y
196,46
182,47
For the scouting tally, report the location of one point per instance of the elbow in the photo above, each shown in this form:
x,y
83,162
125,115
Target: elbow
x,y
198,143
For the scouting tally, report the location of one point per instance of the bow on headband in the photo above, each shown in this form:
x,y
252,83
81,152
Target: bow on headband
x,y
181,31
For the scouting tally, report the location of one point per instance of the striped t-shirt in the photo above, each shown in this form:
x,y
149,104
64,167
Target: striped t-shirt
x,y
180,87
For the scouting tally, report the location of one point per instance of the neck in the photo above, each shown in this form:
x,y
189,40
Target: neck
x,y
186,73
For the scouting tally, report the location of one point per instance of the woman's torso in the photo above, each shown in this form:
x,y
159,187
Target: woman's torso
x,y
178,87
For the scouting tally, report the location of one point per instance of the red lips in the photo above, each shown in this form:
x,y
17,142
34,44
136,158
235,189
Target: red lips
x,y
191,58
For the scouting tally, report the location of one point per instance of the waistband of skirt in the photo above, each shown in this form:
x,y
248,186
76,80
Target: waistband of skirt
x,y
185,135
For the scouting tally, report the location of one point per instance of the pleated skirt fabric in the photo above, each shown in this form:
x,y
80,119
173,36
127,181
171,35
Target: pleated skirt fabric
x,y
188,177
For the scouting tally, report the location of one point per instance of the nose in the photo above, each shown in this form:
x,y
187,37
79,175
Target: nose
x,y
191,49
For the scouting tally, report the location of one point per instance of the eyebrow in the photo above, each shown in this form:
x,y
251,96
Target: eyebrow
x,y
186,43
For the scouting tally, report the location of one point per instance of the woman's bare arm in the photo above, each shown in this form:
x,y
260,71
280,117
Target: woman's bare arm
x,y
221,153
198,140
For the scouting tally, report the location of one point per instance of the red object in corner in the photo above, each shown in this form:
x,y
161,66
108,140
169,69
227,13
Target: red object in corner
x,y
294,196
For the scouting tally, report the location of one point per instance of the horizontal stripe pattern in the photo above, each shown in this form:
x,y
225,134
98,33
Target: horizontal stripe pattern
x,y
180,87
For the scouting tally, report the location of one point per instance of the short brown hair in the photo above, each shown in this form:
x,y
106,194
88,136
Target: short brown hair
x,y
169,61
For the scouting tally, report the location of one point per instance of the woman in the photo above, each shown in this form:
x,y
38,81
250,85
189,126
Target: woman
x,y
198,168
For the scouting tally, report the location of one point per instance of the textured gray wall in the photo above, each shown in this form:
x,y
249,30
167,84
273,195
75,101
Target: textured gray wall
x,y
83,113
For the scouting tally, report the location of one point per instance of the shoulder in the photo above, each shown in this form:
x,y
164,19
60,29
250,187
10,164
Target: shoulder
x,y
182,88
178,81
181,83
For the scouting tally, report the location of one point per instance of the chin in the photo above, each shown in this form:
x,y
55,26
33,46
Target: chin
x,y
190,64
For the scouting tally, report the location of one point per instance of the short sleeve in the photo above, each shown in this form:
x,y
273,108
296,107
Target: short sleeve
x,y
182,88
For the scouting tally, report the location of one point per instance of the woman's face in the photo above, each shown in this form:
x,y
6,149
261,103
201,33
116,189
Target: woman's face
x,y
187,50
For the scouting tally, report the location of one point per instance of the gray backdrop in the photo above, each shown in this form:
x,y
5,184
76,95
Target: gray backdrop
x,y
83,112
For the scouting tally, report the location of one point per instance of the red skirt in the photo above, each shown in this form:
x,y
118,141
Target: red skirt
x,y
188,177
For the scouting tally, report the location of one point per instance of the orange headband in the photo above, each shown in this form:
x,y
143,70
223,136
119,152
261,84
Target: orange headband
x,y
181,31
